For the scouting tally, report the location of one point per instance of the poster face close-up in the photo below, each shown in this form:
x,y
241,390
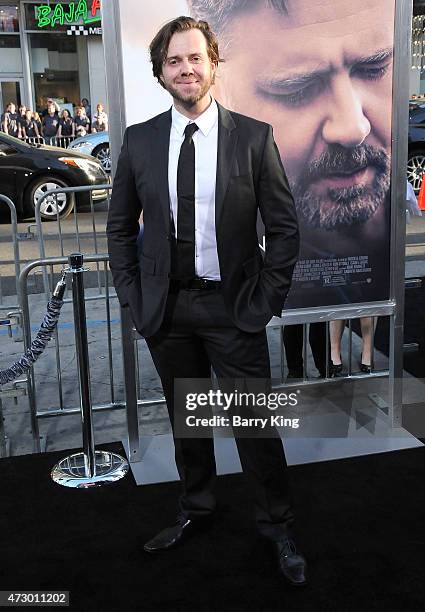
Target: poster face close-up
x,y
321,74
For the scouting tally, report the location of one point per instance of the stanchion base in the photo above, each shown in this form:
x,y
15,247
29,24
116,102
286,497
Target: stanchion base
x,y
71,471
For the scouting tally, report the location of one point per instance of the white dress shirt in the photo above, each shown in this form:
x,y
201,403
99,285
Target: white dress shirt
x,y
205,140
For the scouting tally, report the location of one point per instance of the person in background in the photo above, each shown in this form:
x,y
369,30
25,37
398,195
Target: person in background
x,y
29,126
81,122
50,124
66,125
49,102
11,123
336,329
293,340
100,120
3,115
37,121
22,116
86,105
412,207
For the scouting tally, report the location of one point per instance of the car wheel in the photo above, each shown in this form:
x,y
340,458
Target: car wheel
x,y
103,155
416,168
62,203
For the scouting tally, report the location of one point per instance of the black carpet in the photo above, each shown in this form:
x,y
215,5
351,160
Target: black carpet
x,y
360,524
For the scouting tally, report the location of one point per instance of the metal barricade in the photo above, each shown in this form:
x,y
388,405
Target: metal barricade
x,y
10,309
49,382
10,316
62,141
329,369
84,230
310,374
15,246
55,141
86,233
34,140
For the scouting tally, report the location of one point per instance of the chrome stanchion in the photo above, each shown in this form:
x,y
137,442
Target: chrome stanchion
x,y
90,468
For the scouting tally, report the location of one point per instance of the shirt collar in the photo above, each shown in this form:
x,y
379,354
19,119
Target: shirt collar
x,y
205,122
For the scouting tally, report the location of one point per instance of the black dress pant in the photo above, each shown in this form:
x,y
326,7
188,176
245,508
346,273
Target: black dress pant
x,y
293,342
198,334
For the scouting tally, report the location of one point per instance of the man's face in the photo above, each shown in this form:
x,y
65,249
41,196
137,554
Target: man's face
x,y
12,108
322,76
51,109
188,72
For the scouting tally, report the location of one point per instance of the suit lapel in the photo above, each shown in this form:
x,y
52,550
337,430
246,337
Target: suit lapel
x,y
161,147
226,149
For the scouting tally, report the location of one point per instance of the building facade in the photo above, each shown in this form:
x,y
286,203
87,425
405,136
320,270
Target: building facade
x,y
51,50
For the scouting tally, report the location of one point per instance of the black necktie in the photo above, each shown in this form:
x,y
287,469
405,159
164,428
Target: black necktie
x,y
184,259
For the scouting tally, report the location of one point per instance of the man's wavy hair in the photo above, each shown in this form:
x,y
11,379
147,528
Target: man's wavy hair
x,y
218,12
159,45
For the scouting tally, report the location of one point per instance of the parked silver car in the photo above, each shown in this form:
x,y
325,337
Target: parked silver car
x,y
96,145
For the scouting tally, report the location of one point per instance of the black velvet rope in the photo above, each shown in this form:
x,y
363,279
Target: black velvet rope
x,y
38,345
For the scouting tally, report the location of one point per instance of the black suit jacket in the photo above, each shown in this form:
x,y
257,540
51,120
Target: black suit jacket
x,y
250,177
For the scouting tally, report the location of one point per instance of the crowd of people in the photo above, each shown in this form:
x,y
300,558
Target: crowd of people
x,y
53,122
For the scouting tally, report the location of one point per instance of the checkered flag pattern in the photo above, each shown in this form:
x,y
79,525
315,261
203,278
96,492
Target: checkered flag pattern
x,y
78,31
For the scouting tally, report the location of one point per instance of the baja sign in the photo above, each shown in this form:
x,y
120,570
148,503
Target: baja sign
x,y
51,15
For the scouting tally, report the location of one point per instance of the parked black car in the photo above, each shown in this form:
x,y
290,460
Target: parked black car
x,y
28,171
416,154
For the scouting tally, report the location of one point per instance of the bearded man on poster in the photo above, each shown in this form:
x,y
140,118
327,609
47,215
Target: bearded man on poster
x,y
321,74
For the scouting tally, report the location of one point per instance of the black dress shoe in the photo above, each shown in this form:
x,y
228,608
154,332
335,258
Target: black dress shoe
x,y
292,564
295,373
367,369
177,534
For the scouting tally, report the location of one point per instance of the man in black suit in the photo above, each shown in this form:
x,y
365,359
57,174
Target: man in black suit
x,y
200,292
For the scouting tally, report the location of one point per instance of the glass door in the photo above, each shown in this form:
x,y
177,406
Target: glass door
x,y
10,91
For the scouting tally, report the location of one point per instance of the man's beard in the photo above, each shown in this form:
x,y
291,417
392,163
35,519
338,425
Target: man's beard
x,y
342,207
190,99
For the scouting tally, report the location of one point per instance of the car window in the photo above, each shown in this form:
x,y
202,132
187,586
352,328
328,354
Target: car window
x,y
6,149
417,116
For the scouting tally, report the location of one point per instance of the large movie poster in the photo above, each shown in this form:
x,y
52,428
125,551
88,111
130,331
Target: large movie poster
x,y
321,74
